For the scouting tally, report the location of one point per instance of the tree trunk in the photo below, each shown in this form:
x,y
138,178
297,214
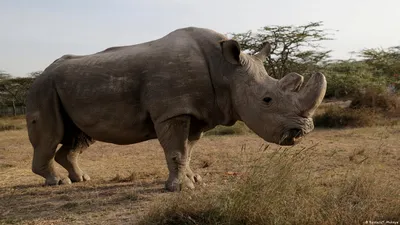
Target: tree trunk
x,y
14,108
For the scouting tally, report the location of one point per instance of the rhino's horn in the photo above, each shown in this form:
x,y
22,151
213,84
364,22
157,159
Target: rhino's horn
x,y
264,52
312,94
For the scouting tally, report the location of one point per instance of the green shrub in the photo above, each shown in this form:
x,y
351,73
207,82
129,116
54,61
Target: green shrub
x,y
236,129
349,78
335,117
340,85
375,98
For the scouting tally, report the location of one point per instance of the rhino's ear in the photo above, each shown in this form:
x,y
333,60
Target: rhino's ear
x,y
231,51
291,82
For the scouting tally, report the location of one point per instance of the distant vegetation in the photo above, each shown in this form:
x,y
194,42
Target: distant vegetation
x,y
13,92
236,129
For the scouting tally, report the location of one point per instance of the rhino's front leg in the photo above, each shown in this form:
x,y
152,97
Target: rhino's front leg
x,y
173,135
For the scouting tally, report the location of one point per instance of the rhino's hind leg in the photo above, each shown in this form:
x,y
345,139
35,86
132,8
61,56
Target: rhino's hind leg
x,y
45,133
192,139
67,155
68,158
174,135
43,165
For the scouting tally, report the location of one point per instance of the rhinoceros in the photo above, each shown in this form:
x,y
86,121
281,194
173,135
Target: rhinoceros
x,y
172,89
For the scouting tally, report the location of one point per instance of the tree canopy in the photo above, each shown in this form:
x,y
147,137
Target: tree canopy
x,y
294,48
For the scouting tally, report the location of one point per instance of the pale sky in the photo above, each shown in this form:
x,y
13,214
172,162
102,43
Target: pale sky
x,y
35,33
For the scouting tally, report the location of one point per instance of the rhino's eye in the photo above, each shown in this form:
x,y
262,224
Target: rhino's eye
x,y
267,99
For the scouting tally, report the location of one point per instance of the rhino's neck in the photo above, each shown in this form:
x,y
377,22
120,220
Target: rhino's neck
x,y
208,42
224,111
226,114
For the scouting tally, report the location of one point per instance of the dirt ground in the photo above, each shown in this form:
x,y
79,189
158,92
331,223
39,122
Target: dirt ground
x,y
127,179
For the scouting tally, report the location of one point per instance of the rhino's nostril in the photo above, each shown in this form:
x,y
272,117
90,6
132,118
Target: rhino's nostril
x,y
291,136
295,133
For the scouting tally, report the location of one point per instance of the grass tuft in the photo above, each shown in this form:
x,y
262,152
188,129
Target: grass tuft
x,y
120,179
70,205
6,165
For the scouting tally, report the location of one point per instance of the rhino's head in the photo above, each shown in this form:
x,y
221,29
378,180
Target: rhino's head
x,y
279,111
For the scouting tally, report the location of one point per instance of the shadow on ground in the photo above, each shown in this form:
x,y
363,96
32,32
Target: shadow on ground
x,y
90,200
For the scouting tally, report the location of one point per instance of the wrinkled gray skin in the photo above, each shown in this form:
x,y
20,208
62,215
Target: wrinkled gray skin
x,y
173,89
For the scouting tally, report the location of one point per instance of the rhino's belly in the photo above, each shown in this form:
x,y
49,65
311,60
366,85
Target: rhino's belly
x,y
119,136
116,123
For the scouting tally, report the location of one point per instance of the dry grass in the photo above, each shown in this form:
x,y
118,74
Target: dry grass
x,y
12,123
332,177
282,186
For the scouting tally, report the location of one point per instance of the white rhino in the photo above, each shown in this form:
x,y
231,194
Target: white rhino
x,y
173,89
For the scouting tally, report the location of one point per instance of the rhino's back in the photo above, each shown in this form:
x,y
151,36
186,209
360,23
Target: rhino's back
x,y
117,94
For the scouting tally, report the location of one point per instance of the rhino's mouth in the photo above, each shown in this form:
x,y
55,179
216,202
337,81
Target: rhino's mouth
x,y
291,137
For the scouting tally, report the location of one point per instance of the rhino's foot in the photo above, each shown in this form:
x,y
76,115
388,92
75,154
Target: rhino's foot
x,y
189,181
173,185
176,185
79,178
52,181
194,178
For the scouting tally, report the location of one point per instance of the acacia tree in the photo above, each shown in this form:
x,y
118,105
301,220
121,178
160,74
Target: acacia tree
x,y
13,91
4,75
35,74
293,48
384,63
